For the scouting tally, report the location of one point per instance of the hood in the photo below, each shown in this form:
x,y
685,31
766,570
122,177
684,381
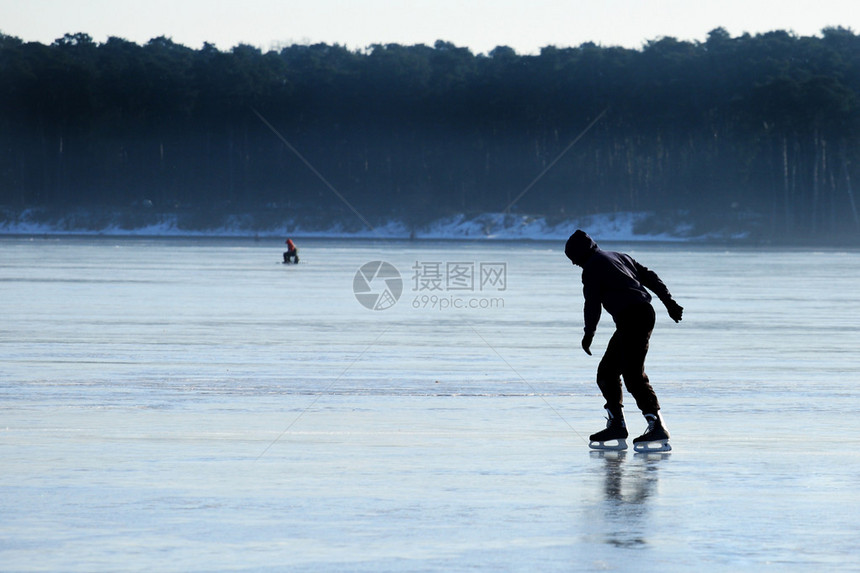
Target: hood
x,y
579,247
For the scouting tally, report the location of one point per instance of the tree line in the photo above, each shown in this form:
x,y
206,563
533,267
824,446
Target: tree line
x,y
759,130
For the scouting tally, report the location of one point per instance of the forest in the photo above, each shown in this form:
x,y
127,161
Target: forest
x,y
754,132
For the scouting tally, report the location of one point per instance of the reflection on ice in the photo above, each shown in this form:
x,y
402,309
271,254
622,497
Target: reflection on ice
x,y
627,487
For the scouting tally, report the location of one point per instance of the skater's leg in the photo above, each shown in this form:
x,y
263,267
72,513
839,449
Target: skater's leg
x,y
635,334
609,382
609,374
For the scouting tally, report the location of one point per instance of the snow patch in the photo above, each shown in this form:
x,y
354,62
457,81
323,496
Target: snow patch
x,y
624,227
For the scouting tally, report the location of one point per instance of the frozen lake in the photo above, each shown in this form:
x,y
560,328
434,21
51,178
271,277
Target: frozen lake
x,y
192,405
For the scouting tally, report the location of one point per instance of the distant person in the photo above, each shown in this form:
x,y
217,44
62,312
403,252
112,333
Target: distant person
x,y
618,283
292,253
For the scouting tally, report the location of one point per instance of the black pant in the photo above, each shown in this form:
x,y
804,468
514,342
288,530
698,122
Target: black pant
x,y
625,357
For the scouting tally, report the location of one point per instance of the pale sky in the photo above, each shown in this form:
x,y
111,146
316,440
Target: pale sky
x,y
481,25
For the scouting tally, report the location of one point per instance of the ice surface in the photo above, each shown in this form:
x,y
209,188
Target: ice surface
x,y
192,405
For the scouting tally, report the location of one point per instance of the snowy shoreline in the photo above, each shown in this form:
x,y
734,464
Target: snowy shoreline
x,y
487,226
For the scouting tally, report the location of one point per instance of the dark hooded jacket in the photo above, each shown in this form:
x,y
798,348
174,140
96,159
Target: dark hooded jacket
x,y
614,281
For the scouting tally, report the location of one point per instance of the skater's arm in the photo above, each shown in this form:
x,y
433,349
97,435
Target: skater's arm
x,y
652,282
592,317
591,310
591,314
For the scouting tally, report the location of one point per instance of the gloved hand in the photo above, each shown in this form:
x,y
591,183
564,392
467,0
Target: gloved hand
x,y
586,343
676,311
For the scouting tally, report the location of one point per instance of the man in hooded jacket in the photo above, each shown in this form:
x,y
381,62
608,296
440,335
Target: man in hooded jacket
x,y
617,283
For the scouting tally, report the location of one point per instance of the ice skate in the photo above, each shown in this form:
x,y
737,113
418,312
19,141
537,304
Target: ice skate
x,y
613,438
655,438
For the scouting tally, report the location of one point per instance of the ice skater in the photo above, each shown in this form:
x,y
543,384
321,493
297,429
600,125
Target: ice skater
x,y
618,283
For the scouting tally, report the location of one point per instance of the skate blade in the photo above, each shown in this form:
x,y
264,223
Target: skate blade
x,y
654,446
608,445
